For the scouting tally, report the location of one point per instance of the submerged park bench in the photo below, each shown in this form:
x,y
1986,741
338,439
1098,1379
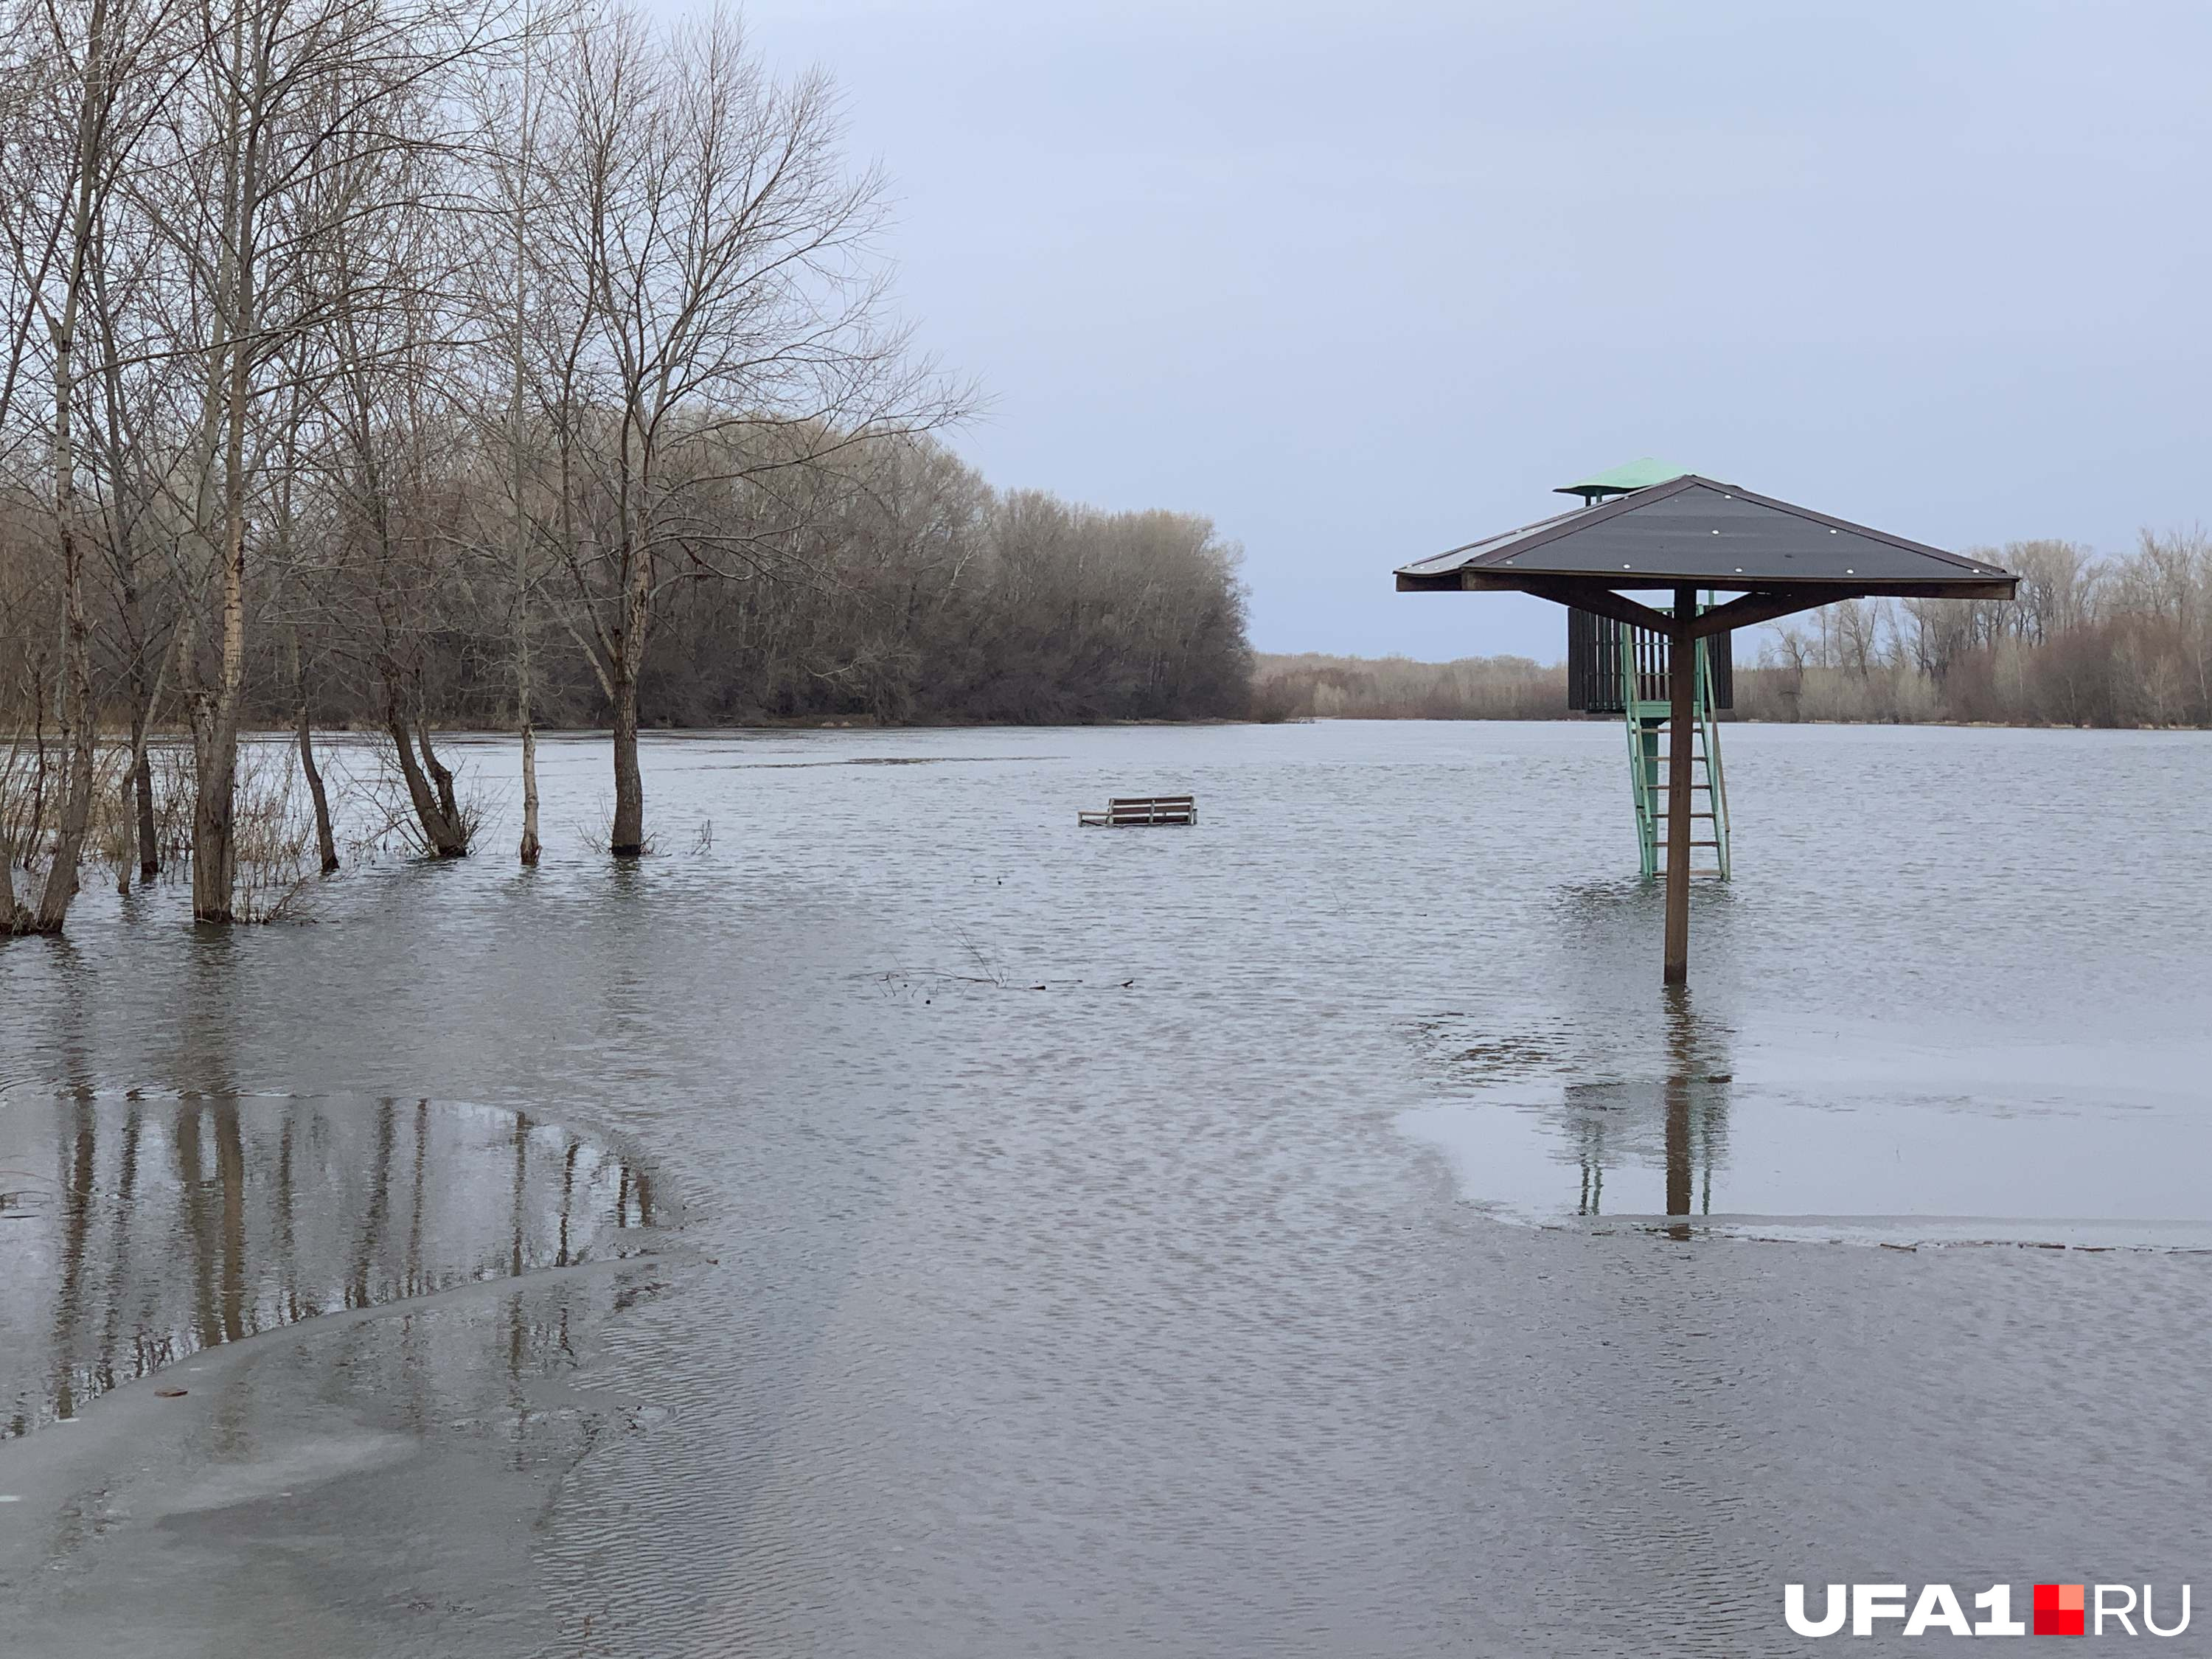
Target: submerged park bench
x,y
1143,809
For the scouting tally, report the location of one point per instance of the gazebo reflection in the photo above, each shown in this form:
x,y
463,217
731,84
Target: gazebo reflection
x,y
1678,1119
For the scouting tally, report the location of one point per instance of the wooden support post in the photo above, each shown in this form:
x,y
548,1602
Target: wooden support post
x,y
1682,688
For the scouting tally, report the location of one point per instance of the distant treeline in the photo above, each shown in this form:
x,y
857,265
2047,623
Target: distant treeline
x,y
909,591
930,598
1315,687
2123,641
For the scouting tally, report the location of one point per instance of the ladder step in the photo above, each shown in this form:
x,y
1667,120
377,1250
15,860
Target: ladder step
x,y
1658,756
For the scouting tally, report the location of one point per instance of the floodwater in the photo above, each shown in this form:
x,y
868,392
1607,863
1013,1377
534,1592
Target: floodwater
x,y
891,1219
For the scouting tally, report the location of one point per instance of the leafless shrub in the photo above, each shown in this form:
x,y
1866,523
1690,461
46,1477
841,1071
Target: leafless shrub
x,y
596,833
28,824
989,969
172,766
112,834
274,835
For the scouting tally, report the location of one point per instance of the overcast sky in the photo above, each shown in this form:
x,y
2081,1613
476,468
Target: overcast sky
x,y
1363,282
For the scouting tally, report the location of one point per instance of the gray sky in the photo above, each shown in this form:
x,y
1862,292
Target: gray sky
x,y
1363,281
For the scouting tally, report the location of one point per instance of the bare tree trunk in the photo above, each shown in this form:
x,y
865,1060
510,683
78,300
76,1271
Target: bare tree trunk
x,y
145,685
435,809
214,847
530,847
127,854
626,838
81,722
76,806
215,850
141,772
305,735
14,919
440,774
526,136
522,713
35,831
215,743
323,843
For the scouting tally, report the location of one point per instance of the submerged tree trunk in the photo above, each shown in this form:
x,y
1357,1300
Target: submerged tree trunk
x,y
214,726
77,804
79,721
530,847
142,792
35,831
14,918
144,682
217,712
626,838
524,716
435,810
325,843
127,854
305,734
80,718
215,847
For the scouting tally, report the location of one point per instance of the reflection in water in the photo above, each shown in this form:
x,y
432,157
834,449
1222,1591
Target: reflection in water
x,y
1680,1119
1669,1114
168,1228
1697,1108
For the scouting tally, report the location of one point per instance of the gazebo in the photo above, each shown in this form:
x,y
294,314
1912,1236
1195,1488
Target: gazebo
x,y
1647,527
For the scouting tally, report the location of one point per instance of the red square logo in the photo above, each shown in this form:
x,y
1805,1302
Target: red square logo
x,y
2060,1610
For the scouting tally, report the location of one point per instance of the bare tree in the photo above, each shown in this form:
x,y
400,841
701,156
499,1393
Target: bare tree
x,y
273,147
708,270
381,393
84,80
510,105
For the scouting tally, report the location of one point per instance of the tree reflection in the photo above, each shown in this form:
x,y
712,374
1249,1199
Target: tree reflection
x,y
173,1230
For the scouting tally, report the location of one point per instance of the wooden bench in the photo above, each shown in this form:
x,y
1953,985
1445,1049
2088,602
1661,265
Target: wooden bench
x,y
1143,809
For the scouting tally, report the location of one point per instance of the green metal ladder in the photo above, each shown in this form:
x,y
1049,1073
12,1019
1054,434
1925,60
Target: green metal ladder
x,y
1646,702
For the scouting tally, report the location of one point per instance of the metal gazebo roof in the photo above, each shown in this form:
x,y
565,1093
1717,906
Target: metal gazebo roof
x,y
1716,536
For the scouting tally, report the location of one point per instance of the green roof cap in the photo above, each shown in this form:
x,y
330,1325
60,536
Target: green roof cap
x,y
1639,474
